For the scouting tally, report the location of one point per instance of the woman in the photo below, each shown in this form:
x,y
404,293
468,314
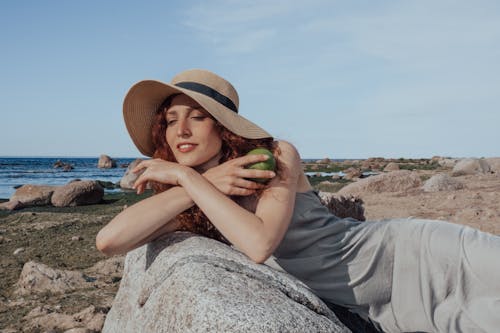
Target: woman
x,y
398,275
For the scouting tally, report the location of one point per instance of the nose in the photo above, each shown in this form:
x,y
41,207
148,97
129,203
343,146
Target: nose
x,y
183,129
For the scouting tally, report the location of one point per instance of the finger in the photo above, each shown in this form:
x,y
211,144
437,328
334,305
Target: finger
x,y
255,173
142,165
140,189
140,180
248,184
249,159
138,167
241,191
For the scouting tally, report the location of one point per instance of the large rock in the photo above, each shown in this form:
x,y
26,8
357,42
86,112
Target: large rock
x,y
352,173
442,182
45,317
30,195
129,177
395,181
36,277
186,283
494,163
342,207
470,166
447,162
78,193
106,162
392,166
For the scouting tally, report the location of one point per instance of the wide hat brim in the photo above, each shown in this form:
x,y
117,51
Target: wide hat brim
x,y
145,97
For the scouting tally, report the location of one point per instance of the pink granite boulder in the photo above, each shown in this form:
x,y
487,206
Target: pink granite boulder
x,y
78,193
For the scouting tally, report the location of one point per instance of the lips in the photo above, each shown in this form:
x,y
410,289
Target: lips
x,y
186,147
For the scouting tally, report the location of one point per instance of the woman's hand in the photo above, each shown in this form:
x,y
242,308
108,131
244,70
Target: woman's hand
x,y
157,170
231,177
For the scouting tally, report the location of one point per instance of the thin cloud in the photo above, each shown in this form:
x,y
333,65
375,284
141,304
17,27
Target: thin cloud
x,y
241,26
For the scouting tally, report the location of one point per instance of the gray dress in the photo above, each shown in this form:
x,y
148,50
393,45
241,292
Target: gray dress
x,y
404,275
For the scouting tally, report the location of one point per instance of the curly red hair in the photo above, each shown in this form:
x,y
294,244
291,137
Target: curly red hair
x,y
193,219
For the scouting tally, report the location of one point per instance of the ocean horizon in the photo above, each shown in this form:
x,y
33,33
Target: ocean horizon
x,y
16,171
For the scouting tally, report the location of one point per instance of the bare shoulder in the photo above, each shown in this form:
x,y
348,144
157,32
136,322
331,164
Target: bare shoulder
x,y
289,167
287,153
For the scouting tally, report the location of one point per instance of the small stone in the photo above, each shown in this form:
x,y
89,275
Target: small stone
x,y
477,196
76,238
2,238
79,330
125,207
18,250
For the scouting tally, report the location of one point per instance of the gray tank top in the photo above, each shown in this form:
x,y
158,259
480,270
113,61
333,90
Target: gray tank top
x,y
336,257
314,241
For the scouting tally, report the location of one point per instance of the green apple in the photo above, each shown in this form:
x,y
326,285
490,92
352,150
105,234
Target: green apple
x,y
269,164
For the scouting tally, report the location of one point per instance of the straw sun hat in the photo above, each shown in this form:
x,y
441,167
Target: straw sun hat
x,y
212,92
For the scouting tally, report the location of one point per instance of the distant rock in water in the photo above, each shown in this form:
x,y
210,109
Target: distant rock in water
x,y
187,283
108,185
30,195
63,165
129,177
106,162
75,193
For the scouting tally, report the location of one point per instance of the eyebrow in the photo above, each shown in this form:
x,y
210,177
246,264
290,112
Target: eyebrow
x,y
191,109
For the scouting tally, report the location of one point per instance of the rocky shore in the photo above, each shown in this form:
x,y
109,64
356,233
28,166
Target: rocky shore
x,y
53,278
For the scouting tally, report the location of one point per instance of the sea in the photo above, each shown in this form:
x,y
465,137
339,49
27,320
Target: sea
x,y
17,171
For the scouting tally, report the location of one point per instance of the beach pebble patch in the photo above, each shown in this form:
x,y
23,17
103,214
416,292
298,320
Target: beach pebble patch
x,y
18,250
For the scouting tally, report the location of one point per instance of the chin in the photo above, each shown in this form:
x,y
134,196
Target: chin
x,y
192,163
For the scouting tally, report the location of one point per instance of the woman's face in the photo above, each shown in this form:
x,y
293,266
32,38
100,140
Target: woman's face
x,y
191,134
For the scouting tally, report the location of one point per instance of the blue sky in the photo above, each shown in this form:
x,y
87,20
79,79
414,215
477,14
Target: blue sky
x,y
343,79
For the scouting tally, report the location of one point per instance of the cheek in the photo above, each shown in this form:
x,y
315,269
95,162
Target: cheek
x,y
217,141
168,136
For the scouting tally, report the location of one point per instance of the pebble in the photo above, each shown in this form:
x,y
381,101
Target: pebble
x,y
125,207
18,250
477,196
2,239
76,238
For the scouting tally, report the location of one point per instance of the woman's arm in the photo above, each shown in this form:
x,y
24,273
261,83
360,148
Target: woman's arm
x,y
143,222
256,234
155,216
